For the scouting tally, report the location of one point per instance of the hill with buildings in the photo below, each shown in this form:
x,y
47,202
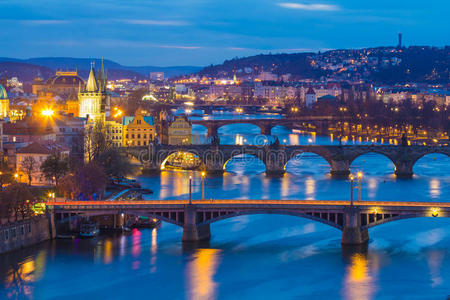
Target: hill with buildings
x,y
387,65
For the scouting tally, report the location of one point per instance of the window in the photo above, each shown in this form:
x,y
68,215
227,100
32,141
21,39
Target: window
x,y
22,230
139,136
145,136
132,136
13,232
138,143
126,135
6,235
138,121
28,227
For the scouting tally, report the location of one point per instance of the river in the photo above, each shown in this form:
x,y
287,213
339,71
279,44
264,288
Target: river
x,y
257,256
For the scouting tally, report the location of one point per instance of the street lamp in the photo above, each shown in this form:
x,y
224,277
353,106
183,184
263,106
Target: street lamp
x,y
190,189
16,176
351,189
1,181
203,184
359,175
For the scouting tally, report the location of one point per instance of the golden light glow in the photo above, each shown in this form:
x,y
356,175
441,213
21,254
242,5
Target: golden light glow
x,y
435,212
203,173
47,112
359,174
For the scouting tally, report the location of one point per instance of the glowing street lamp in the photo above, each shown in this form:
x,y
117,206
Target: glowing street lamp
x,y
203,184
359,175
190,189
351,189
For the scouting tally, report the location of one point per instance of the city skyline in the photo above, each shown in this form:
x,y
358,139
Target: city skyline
x,y
201,32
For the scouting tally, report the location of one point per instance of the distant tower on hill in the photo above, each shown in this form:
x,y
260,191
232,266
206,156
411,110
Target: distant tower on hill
x,y
399,40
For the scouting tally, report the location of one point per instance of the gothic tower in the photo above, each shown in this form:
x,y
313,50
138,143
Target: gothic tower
x,y
93,99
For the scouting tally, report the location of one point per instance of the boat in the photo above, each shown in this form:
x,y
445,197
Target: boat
x,y
89,230
146,222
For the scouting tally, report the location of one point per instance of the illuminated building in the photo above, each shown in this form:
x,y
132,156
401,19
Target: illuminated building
x,y
62,83
180,132
39,153
93,99
138,130
4,103
310,97
114,131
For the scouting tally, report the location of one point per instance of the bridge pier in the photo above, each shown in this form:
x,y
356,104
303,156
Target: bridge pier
x,y
340,167
214,161
191,231
266,130
352,234
403,169
51,223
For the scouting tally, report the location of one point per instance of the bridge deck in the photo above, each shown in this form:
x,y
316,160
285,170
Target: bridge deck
x,y
306,203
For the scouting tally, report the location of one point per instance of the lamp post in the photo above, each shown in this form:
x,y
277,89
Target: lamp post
x,y
203,184
1,181
359,175
351,189
190,189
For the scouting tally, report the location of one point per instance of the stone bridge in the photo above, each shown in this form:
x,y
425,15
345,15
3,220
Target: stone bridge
x,y
353,219
275,157
320,123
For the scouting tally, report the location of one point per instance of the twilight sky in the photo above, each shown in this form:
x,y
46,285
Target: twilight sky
x,y
201,32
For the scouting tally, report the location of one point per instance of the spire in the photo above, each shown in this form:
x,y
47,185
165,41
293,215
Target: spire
x,y
91,85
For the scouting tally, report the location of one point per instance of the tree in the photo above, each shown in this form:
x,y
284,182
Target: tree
x,y
28,166
18,199
68,186
91,179
96,140
115,163
55,167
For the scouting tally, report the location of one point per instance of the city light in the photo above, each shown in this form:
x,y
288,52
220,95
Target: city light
x,y
47,112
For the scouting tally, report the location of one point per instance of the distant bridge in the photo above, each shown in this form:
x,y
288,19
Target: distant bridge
x,y
196,217
319,123
275,157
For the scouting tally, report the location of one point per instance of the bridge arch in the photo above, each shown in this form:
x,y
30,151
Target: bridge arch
x,y
374,151
246,158
172,154
307,158
338,223
424,156
220,127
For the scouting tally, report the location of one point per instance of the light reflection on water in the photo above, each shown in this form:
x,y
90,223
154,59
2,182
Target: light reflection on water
x,y
200,271
256,256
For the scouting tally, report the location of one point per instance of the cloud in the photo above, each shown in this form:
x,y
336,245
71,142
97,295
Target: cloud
x,y
45,22
156,22
311,7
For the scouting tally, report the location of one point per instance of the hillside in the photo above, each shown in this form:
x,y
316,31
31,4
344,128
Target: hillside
x,y
115,70
380,65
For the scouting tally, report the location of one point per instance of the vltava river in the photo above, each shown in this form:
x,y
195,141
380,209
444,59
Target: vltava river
x,y
257,256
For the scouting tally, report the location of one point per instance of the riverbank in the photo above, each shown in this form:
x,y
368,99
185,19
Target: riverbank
x,y
24,233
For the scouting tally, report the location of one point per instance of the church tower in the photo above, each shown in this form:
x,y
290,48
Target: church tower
x,y
93,99
4,103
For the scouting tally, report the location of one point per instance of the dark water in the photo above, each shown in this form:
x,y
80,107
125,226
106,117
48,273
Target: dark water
x,y
257,256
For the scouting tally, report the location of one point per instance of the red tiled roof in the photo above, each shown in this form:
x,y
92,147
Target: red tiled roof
x,y
34,148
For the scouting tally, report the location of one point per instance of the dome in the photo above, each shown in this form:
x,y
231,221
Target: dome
x,y
3,94
65,80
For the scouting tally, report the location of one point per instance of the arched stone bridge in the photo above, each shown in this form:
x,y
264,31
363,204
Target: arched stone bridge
x,y
196,217
275,157
321,123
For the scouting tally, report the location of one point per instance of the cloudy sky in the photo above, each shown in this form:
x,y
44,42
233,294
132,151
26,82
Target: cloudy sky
x,y
201,32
